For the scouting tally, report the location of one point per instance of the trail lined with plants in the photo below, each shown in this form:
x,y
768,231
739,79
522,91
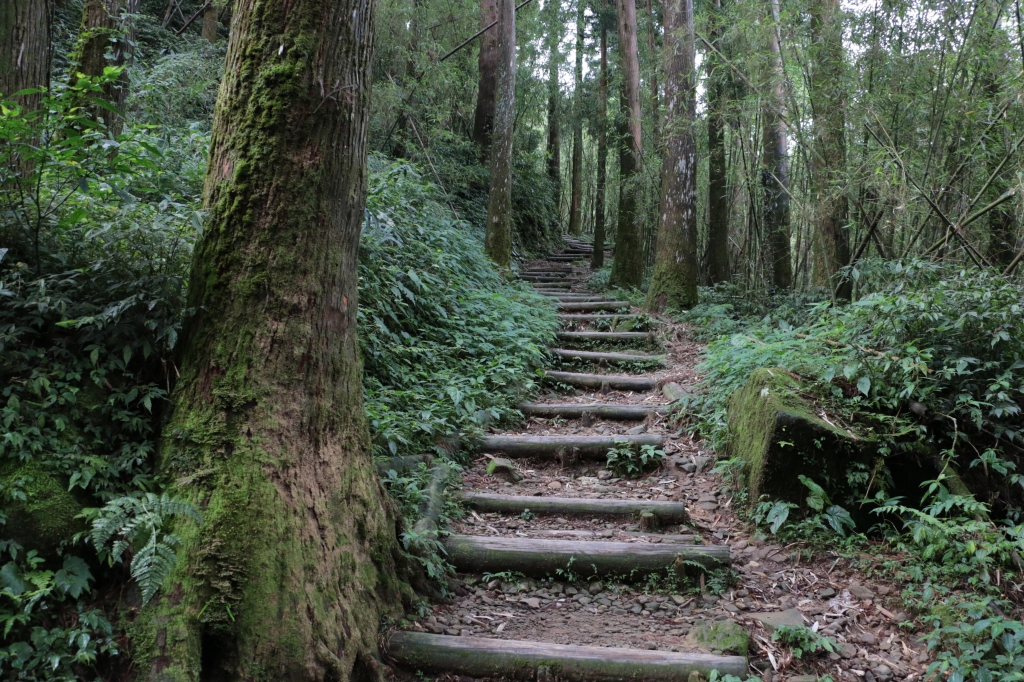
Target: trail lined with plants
x,y
598,542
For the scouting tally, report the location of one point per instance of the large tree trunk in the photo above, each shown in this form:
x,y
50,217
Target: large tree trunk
x,y
716,253
554,150
294,565
628,263
105,32
576,192
597,260
775,171
483,121
831,245
652,32
24,49
210,24
674,283
498,242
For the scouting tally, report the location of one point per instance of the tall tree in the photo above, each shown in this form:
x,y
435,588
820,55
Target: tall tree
x,y
597,259
576,191
628,262
652,40
107,39
674,282
210,23
775,168
498,241
554,150
294,566
830,245
716,252
24,49
483,120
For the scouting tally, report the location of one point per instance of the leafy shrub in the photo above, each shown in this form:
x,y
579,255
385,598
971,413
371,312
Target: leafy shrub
x,y
627,461
802,640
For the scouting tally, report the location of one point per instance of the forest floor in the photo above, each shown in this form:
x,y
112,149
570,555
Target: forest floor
x,y
843,596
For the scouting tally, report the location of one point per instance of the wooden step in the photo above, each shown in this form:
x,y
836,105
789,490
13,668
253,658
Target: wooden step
x,y
604,336
564,259
596,447
599,410
600,381
597,317
581,306
670,512
542,278
576,297
516,659
543,557
606,358
654,537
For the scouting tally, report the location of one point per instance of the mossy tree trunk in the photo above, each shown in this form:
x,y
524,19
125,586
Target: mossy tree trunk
x,y
24,49
716,252
294,566
628,262
554,149
576,192
674,283
652,40
107,30
775,168
487,63
498,242
597,259
831,244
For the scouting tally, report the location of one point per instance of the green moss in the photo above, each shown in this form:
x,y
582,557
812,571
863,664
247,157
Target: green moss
x,y
46,517
721,637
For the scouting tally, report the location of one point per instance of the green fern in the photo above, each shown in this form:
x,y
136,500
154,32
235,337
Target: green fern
x,y
126,522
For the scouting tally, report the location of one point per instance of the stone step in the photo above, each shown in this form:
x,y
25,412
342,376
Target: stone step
x,y
517,659
595,447
670,512
606,358
598,410
605,336
600,381
543,557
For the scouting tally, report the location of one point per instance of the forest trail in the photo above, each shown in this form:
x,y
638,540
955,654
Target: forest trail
x,y
535,510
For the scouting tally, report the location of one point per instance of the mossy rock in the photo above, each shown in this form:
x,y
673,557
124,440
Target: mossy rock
x,y
778,436
720,637
47,517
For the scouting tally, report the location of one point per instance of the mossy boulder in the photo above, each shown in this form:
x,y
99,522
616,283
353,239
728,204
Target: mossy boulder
x,y
720,637
46,517
778,435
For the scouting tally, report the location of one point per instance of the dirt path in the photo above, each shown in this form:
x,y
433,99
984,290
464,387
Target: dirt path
x,y
768,584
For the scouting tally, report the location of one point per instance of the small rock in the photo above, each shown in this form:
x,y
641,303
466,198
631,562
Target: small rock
x,y
504,469
709,598
731,608
555,485
724,636
865,638
847,650
679,599
689,467
595,587
742,593
858,591
604,475
637,430
701,462
571,591
826,593
776,619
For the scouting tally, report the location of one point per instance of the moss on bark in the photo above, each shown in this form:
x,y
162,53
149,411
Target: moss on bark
x,y
46,517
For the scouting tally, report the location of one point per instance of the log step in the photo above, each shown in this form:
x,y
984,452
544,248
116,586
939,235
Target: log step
x,y
619,383
604,336
670,512
599,410
597,317
606,358
517,659
587,306
596,447
576,297
541,278
663,537
542,557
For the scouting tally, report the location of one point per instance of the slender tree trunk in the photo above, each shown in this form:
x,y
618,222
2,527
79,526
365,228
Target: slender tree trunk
x,y
652,32
498,243
716,253
576,196
294,566
104,31
831,246
775,171
483,121
24,49
628,265
674,283
597,260
554,150
210,24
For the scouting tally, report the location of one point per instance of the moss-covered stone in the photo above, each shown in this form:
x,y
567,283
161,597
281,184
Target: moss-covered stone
x,y
720,637
47,516
778,435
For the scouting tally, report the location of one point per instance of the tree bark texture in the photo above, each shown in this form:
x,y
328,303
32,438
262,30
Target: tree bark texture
x,y
294,566
24,49
652,32
775,170
105,31
210,24
716,251
498,242
674,283
576,191
554,150
628,263
831,246
483,120
597,259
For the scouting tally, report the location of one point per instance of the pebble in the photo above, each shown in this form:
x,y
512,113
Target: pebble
x,y
555,485
858,591
826,593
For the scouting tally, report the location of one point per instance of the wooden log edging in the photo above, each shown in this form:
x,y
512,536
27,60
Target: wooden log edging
x,y
606,358
584,317
671,512
618,382
486,657
593,446
541,557
581,306
605,336
599,410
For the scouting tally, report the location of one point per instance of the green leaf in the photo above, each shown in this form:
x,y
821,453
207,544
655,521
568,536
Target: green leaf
x,y
864,385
